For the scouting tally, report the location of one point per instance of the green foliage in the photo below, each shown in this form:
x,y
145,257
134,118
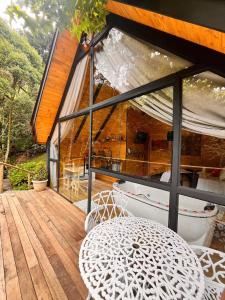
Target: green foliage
x,y
41,21
21,70
89,17
41,174
78,16
19,178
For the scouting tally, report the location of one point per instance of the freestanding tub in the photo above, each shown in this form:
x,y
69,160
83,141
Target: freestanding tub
x,y
195,223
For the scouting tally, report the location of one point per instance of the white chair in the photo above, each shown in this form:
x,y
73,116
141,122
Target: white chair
x,y
107,205
213,265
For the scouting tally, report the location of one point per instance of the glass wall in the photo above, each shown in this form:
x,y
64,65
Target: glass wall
x,y
74,141
201,223
53,175
133,140
135,137
203,133
123,62
53,159
138,200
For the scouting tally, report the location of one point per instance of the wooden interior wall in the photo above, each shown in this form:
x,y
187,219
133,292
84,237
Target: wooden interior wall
x,y
125,122
60,67
198,34
138,121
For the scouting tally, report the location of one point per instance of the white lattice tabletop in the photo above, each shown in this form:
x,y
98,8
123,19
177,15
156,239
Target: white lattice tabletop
x,y
136,258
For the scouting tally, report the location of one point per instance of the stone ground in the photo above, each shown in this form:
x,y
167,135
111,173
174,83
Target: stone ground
x,y
6,185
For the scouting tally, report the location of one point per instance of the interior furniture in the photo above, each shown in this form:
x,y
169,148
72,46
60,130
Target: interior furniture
x,y
107,205
136,258
213,265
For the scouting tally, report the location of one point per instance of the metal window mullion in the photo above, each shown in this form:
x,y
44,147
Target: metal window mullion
x,y
53,159
202,195
90,128
175,172
150,87
48,161
135,179
58,164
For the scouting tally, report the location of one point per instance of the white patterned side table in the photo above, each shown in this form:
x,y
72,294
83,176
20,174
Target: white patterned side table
x,y
136,258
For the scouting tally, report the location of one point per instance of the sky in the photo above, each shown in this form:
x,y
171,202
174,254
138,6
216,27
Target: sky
x,y
3,6
3,15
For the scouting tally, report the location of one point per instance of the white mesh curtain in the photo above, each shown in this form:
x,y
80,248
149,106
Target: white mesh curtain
x,y
128,63
70,105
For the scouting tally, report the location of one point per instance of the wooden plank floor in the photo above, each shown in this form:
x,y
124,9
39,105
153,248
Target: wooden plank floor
x,y
40,237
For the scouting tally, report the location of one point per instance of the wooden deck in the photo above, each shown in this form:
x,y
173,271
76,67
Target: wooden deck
x,y
40,239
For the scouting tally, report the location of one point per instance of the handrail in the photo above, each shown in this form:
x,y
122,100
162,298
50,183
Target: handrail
x,y
2,164
15,167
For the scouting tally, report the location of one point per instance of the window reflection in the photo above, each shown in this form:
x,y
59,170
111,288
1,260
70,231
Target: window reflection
x,y
135,137
73,181
201,223
123,63
203,134
53,175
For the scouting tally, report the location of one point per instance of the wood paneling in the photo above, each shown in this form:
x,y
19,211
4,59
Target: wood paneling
x,y
59,70
40,239
198,34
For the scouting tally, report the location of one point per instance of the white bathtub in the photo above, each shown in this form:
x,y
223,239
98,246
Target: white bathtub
x,y
195,224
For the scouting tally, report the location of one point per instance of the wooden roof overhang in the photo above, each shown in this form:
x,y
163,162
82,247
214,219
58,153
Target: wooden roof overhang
x,y
200,24
52,87
178,18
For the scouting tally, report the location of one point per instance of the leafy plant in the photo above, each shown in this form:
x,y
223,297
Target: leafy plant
x,y
41,174
19,179
42,17
89,17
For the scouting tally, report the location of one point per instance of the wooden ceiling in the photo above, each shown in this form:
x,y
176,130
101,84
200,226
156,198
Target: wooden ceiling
x,y
207,37
61,63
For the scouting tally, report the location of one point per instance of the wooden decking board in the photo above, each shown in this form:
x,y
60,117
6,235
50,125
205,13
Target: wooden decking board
x,y
71,269
71,219
2,273
50,276
37,259
60,211
68,231
72,251
12,287
59,235
36,273
25,281
68,270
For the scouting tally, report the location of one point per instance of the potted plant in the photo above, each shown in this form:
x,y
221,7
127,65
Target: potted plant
x,y
40,179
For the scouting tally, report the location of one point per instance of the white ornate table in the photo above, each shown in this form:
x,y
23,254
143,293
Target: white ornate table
x,y
136,258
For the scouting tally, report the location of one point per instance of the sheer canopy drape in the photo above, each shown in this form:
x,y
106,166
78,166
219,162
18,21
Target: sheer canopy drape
x,y
72,100
128,63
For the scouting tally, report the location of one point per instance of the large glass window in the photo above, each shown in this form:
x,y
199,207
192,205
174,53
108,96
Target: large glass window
x,y
53,175
203,133
135,137
138,200
201,223
74,140
123,62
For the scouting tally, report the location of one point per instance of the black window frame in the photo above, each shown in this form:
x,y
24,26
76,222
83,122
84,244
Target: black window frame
x,y
203,59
